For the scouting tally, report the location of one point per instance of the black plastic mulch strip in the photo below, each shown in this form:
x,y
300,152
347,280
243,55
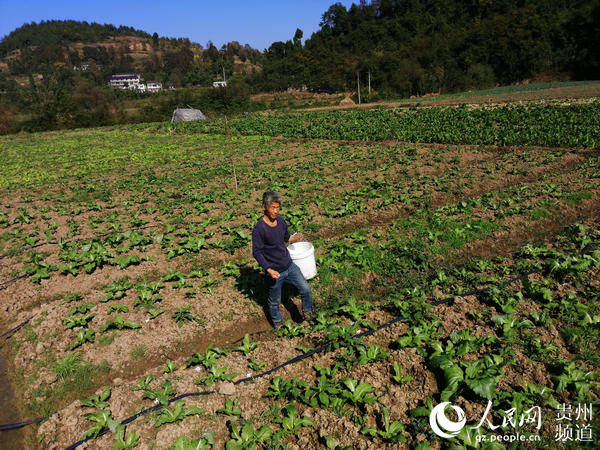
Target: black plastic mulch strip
x,y
6,283
141,413
14,426
12,330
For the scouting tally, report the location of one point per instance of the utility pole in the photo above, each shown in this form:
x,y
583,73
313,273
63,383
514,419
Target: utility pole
x,y
224,74
369,83
358,83
231,151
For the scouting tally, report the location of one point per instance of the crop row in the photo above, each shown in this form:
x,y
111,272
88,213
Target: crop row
x,y
552,125
446,227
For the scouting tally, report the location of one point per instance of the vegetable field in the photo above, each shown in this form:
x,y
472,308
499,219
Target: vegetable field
x,y
458,261
544,123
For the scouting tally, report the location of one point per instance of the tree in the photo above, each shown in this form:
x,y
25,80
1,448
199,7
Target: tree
x,y
74,59
211,53
298,38
46,99
89,106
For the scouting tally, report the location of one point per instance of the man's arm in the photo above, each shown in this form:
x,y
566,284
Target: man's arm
x,y
291,239
296,237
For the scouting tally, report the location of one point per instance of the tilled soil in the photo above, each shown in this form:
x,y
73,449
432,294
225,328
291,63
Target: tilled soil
x,y
229,311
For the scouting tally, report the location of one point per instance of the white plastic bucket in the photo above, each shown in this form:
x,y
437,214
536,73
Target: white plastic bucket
x,y
303,255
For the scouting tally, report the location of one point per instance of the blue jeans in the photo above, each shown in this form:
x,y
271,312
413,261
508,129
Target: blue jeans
x,y
293,276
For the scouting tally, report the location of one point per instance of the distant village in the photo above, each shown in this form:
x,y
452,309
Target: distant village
x,y
134,82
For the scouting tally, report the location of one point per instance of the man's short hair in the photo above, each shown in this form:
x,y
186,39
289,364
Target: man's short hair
x,y
271,197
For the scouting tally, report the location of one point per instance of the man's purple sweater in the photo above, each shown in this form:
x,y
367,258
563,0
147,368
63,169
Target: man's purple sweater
x,y
268,245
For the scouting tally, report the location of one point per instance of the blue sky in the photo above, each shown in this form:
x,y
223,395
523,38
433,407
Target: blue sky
x,y
258,23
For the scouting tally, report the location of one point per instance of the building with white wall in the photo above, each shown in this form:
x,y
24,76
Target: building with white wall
x,y
124,81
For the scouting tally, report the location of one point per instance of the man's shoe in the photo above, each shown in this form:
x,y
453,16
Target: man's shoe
x,y
308,316
278,325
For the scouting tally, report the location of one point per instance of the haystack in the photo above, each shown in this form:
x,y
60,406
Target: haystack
x,y
187,115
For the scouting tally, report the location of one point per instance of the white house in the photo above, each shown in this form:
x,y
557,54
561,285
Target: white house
x,y
124,81
153,86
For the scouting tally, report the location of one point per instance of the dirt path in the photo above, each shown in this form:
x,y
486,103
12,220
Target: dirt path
x,y
9,413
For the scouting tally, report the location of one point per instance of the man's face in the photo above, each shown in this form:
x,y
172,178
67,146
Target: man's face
x,y
273,210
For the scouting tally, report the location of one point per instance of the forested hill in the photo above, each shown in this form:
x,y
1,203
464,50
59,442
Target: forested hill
x,y
57,46
417,46
54,74
62,32
406,47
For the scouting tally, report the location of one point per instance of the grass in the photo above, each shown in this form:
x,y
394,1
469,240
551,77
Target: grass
x,y
227,315
73,296
76,379
30,334
539,213
67,366
578,197
200,320
106,339
139,351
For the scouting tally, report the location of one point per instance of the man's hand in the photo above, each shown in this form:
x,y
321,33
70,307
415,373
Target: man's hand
x,y
296,237
274,274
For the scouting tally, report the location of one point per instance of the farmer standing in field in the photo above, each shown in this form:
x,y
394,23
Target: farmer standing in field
x,y
268,247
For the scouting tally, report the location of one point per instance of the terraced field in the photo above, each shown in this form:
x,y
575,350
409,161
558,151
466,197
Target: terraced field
x,y
458,270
